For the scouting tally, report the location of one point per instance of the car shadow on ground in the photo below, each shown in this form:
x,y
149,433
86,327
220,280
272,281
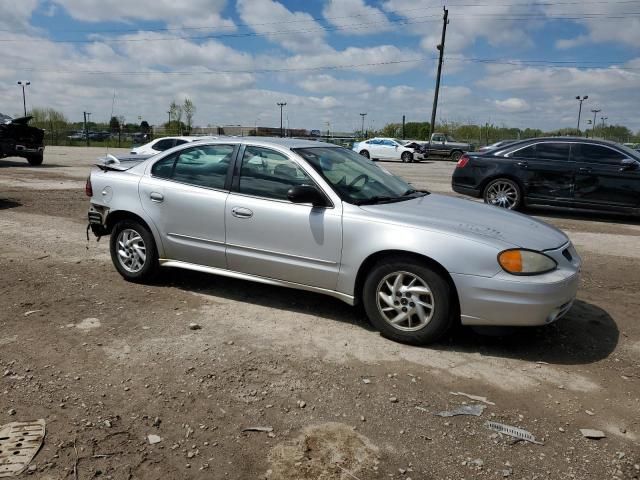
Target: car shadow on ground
x,y
6,203
4,163
281,298
585,335
601,217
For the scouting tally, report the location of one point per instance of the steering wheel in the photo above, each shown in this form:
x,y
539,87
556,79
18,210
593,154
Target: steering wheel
x,y
358,178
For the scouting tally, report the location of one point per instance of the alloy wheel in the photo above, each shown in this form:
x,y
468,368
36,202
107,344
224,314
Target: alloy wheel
x,y
503,194
405,301
132,252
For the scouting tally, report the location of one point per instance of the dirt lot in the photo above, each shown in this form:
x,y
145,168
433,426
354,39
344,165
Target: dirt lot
x,y
107,363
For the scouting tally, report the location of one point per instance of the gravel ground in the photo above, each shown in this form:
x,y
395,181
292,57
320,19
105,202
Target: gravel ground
x,y
107,363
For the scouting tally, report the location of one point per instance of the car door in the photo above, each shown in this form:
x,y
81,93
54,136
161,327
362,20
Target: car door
x,y
269,236
602,180
437,146
185,193
390,150
546,171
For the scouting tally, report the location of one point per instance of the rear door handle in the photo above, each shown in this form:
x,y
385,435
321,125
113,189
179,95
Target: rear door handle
x,y
240,212
585,169
156,197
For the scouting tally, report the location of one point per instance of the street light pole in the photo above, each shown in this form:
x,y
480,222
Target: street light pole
x,y
281,105
23,84
580,99
593,127
362,131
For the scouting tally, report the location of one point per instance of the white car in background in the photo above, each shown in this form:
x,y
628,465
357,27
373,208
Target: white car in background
x,y
385,149
165,143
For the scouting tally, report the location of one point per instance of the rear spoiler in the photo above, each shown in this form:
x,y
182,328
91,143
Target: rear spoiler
x,y
115,164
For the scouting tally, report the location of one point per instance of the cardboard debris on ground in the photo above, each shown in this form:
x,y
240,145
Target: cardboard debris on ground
x,y
473,397
514,432
592,434
19,444
475,410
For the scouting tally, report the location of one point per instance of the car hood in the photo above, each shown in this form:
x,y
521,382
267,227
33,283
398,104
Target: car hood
x,y
472,219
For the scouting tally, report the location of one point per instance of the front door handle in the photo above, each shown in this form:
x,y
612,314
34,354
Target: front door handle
x,y
240,212
585,169
156,197
523,164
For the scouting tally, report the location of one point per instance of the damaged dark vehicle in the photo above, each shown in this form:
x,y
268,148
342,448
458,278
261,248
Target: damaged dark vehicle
x,y
19,139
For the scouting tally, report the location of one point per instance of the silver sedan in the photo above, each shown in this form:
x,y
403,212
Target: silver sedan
x,y
313,216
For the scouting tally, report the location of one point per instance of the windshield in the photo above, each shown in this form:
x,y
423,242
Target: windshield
x,y
400,142
356,179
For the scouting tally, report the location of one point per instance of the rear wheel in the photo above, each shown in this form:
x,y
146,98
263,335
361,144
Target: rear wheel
x,y
35,159
133,251
406,157
504,193
364,153
455,156
408,302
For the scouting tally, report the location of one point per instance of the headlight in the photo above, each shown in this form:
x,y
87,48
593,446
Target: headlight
x,y
526,262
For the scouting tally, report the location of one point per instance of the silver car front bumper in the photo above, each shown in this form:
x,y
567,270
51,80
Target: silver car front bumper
x,y
508,300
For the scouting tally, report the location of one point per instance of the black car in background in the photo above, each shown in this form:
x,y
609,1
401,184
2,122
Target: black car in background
x,y
560,172
18,139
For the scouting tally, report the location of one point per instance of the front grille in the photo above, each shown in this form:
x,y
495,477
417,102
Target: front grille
x,y
567,254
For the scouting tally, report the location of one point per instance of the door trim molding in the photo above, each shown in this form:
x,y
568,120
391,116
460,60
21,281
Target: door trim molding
x,y
255,278
281,254
197,239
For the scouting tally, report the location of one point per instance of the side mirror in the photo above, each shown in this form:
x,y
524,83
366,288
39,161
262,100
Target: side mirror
x,y
629,164
306,194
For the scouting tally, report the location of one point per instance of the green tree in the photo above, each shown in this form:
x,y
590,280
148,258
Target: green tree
x,y
52,121
145,127
114,125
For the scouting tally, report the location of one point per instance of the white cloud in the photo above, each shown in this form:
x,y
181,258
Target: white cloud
x,y
512,105
15,16
349,13
567,43
330,84
273,20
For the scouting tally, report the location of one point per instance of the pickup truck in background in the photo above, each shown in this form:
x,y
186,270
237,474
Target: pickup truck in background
x,y
441,145
18,139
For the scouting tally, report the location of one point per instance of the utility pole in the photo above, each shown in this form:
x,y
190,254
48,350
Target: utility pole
x,y
580,99
437,92
86,127
281,105
604,134
593,127
362,130
24,100
403,119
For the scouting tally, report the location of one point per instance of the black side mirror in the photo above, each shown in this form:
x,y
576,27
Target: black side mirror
x,y
306,194
629,164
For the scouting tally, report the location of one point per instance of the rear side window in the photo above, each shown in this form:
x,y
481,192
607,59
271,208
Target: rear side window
x,y
597,154
163,145
269,174
527,152
203,166
553,151
180,142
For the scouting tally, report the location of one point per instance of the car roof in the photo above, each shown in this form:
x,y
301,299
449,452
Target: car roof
x,y
273,141
567,139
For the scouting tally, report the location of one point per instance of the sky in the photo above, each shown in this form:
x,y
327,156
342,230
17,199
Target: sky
x,y
520,63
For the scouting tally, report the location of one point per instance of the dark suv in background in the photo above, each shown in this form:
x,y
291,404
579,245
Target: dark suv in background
x,y
18,139
559,172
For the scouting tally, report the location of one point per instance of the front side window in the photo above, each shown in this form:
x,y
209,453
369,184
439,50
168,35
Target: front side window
x,y
438,138
203,166
553,151
163,145
355,178
269,174
598,154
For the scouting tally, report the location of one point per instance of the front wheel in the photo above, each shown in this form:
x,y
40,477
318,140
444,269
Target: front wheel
x,y
408,302
36,159
133,251
406,157
504,193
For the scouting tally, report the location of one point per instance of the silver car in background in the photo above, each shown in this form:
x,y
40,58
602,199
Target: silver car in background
x,y
317,217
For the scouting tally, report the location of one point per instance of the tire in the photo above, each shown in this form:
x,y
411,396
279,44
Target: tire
x,y
503,193
130,267
455,156
406,157
365,153
35,160
415,328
